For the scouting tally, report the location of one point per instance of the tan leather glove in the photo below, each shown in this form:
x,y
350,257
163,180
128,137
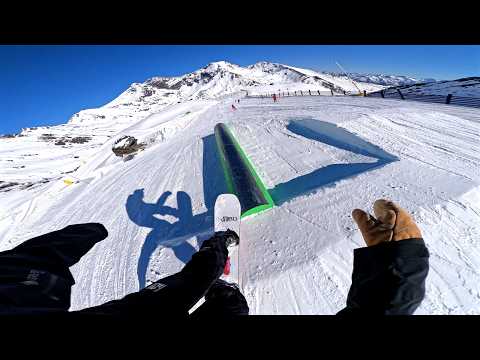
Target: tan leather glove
x,y
392,223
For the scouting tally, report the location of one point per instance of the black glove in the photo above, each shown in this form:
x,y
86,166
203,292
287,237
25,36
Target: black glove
x,y
226,238
230,237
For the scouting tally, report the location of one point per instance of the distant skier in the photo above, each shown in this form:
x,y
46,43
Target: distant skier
x,y
233,107
35,279
274,98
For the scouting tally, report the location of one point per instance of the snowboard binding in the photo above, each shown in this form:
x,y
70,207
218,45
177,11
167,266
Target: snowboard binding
x,y
222,288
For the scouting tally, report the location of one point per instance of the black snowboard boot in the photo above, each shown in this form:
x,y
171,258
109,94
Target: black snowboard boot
x,y
223,299
221,288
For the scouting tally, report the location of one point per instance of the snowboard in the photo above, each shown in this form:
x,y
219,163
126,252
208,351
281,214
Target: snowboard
x,y
227,213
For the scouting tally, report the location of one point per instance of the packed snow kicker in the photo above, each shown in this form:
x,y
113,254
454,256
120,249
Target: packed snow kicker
x,y
320,157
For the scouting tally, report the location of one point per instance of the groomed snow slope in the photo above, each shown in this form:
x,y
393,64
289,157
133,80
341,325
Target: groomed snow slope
x,y
297,257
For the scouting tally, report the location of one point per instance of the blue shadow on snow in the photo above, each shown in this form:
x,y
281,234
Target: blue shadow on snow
x,y
333,135
175,235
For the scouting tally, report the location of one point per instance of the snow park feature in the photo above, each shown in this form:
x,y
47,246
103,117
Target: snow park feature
x,y
333,135
320,157
240,175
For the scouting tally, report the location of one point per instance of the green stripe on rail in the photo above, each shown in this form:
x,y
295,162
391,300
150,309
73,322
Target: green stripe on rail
x,y
270,203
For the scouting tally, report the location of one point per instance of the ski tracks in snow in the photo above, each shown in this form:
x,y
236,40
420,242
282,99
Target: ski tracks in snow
x,y
427,142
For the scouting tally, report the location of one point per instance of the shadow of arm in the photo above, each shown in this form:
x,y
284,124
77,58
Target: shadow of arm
x,y
141,213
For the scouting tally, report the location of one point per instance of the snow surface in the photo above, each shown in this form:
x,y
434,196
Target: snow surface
x,y
320,157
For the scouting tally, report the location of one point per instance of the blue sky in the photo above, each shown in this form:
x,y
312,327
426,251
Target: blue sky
x,y
46,85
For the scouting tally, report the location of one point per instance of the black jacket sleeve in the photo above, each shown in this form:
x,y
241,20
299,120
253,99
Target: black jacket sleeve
x,y
172,296
388,279
35,275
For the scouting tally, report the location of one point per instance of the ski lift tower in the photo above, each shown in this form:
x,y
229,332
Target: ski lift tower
x,y
353,82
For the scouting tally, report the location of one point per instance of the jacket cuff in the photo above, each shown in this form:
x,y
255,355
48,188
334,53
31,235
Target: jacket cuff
x,y
386,253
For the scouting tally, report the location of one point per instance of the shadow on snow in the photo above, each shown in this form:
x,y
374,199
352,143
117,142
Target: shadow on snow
x,y
175,235
333,135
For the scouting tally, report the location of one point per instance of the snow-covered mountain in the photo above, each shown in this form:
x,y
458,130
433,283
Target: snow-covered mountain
x,y
386,80
468,87
223,78
141,100
157,203
212,81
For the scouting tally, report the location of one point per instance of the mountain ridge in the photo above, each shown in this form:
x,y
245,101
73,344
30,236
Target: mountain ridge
x,y
220,78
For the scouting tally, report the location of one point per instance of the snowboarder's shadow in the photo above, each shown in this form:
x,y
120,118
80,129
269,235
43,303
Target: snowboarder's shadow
x,y
174,235
168,234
